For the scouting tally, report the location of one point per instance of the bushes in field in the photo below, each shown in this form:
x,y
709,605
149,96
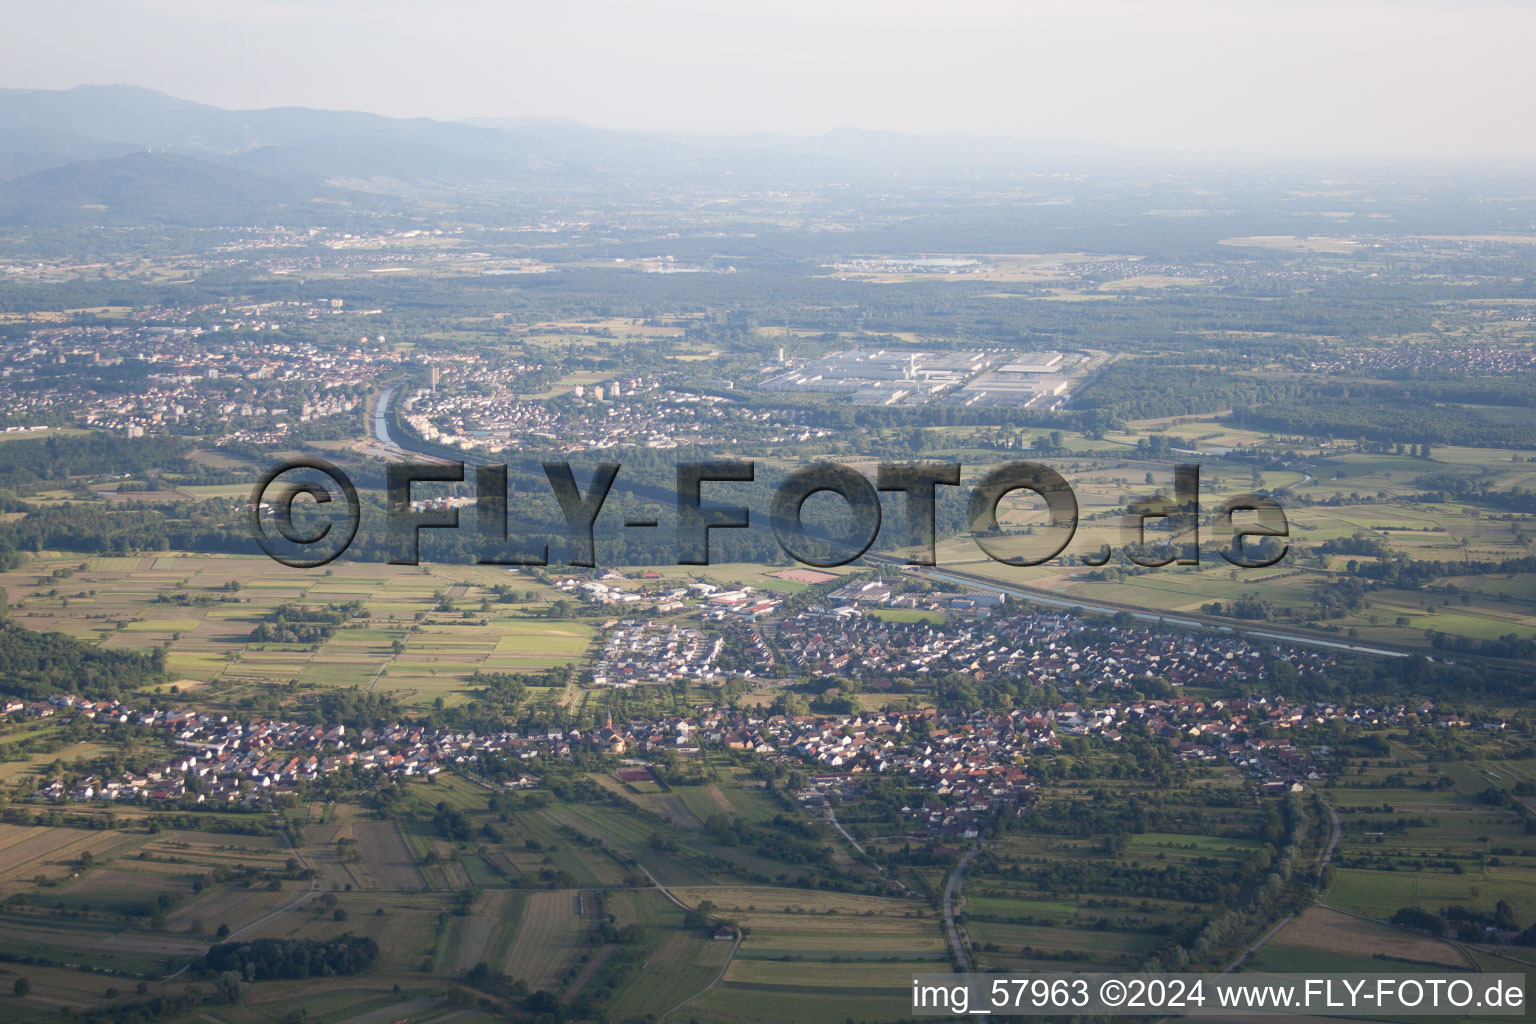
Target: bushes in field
x,y
306,624
265,959
1419,920
787,839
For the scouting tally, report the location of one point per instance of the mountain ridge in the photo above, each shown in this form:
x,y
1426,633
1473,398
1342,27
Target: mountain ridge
x,y
64,154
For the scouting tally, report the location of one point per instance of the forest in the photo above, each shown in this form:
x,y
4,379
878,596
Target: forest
x,y
265,959
36,665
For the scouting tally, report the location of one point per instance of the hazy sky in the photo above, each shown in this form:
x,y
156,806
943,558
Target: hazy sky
x,y
1297,77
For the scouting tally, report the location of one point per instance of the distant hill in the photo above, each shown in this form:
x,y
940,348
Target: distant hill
x,y
146,118
162,188
119,113
292,144
28,148
120,154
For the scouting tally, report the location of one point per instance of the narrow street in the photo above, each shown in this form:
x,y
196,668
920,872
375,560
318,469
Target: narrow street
x,y
950,889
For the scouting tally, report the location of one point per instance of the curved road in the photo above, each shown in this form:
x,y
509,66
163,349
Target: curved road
x,y
832,817
1332,846
1322,863
723,968
1262,940
664,890
293,904
950,888
729,956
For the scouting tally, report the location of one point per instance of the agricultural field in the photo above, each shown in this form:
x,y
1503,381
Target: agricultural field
x,y
128,903
798,947
1331,497
423,635
387,860
1322,936
27,853
1425,830
550,937
1076,890
545,878
136,903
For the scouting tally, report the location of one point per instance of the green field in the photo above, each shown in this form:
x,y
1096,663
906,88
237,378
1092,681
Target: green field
x,y
209,637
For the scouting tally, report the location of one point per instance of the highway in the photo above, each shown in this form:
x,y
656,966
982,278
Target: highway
x,y
1026,594
382,436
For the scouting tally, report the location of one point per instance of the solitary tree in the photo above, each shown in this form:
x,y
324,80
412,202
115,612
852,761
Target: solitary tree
x,y
228,987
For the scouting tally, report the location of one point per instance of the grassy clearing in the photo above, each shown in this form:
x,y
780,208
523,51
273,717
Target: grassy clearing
x,y
549,939
389,862
1328,931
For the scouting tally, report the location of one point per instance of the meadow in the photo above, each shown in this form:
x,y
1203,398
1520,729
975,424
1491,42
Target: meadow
x,y
132,901
1329,492
425,633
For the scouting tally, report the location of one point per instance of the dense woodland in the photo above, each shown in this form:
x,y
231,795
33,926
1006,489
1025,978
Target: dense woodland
x,y
265,959
35,665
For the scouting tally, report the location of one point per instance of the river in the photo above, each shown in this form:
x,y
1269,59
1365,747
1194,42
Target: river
x,y
381,416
